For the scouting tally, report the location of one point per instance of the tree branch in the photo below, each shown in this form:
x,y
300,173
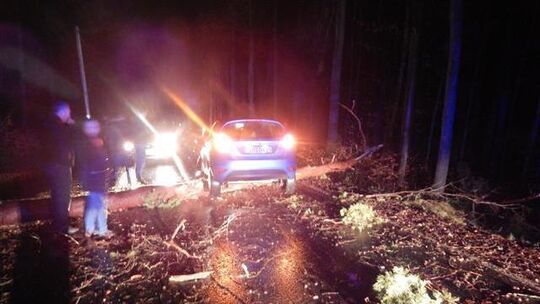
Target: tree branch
x,y
359,123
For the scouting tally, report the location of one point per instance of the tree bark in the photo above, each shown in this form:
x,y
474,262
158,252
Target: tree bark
x,y
232,74
274,61
401,76
251,65
335,77
433,120
449,111
411,87
472,91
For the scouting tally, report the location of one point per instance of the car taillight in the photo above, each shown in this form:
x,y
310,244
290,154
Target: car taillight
x,y
288,142
223,143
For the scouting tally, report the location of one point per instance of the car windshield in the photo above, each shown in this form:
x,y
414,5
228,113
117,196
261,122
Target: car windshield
x,y
253,130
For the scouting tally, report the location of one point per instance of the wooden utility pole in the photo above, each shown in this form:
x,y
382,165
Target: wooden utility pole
x,y
83,73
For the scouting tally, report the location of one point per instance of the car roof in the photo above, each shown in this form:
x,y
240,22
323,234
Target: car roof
x,y
252,120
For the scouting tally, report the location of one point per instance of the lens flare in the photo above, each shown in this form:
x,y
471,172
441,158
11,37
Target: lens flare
x,y
187,110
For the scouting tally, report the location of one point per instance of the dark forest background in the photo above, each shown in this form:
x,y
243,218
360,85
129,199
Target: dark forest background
x,y
275,58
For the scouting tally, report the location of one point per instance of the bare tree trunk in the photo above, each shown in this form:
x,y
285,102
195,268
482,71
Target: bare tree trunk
x,y
22,85
433,120
335,77
449,111
251,63
351,81
274,61
470,102
401,75
232,73
471,95
411,87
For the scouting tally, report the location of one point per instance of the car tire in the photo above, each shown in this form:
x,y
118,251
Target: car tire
x,y
205,184
290,186
215,189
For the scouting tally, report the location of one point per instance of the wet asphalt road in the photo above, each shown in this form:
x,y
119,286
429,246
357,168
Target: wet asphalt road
x,y
264,253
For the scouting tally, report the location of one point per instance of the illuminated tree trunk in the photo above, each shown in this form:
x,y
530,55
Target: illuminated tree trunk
x,y
22,86
449,110
232,73
251,63
274,61
433,122
411,87
335,77
401,76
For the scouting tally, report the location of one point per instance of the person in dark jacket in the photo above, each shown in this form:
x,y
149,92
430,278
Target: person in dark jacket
x,y
93,174
59,158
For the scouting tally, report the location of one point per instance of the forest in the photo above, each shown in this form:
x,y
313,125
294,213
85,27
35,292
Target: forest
x,y
417,126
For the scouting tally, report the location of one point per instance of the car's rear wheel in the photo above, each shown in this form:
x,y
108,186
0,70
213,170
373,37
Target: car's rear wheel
x,y
290,186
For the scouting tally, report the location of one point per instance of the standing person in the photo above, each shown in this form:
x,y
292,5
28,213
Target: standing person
x,y
59,158
94,170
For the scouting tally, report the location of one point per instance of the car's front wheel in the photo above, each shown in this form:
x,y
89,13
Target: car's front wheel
x,y
215,188
289,185
205,184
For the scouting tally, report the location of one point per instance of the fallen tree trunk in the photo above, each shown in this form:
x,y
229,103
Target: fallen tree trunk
x,y
309,171
29,210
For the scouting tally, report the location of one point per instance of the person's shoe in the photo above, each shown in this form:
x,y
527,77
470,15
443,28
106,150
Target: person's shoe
x,y
105,235
72,230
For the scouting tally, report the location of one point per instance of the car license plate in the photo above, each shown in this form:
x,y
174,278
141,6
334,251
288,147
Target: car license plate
x,y
258,149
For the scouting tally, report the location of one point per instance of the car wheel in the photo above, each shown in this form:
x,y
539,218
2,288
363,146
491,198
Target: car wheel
x,y
215,188
205,184
290,186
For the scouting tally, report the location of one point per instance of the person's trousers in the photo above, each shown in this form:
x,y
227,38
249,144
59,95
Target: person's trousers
x,y
60,180
95,213
140,157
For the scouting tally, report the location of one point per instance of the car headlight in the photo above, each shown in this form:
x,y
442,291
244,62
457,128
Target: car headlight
x,y
223,143
165,144
128,146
